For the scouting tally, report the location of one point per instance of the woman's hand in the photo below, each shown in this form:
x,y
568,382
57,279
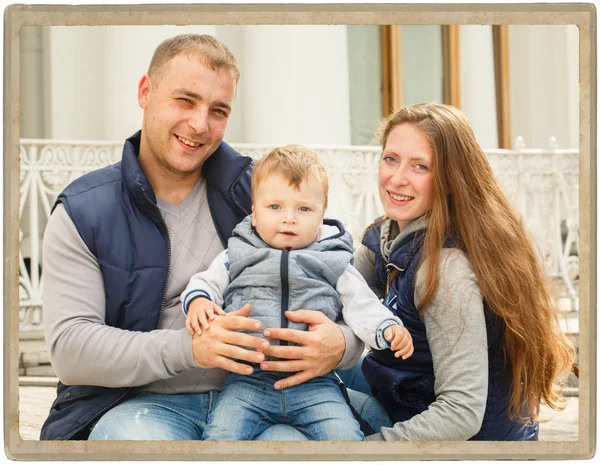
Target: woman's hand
x,y
319,351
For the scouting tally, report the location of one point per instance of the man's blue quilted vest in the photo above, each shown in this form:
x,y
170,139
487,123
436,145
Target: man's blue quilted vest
x,y
114,210
406,387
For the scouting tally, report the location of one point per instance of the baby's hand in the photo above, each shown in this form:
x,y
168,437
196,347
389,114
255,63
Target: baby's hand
x,y
200,311
400,341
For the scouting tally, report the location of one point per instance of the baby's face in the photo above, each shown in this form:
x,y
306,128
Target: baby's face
x,y
286,217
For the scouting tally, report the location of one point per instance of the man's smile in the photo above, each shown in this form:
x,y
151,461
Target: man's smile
x,y
188,142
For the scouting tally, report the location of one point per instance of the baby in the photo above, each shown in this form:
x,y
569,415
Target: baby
x,y
286,256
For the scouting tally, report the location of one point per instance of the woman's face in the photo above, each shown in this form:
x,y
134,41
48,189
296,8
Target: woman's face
x,y
406,174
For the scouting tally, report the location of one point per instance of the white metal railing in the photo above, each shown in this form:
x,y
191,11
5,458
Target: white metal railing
x,y
542,183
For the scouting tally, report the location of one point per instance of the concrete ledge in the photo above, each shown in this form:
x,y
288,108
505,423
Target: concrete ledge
x,y
571,392
41,381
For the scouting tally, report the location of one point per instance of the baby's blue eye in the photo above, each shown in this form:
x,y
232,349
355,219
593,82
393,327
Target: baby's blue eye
x,y
274,207
304,209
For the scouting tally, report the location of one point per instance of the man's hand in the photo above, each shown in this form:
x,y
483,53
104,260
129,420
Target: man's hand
x,y
218,345
319,351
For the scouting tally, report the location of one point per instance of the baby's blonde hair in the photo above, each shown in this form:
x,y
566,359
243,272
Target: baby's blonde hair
x,y
295,162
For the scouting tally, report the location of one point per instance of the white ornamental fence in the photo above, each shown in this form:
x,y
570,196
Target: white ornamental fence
x,y
542,183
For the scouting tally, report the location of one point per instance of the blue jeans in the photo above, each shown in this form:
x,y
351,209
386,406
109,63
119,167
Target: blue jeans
x,y
366,404
248,405
150,416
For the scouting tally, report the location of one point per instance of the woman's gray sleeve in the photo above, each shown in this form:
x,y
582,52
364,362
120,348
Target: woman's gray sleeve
x,y
457,337
83,349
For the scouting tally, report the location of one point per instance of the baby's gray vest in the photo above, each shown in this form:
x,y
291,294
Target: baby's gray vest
x,y
274,281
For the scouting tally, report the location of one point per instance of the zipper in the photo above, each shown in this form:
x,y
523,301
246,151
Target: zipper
x,y
391,266
392,272
232,196
285,290
165,231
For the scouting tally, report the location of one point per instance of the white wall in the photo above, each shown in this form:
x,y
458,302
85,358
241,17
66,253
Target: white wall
x,y
231,35
477,91
32,87
76,83
572,85
422,64
295,85
94,73
544,84
364,83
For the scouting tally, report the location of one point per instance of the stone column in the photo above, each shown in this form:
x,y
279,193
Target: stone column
x,y
76,82
295,85
31,126
544,64
31,85
477,92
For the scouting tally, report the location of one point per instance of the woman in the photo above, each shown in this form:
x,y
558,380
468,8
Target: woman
x,y
455,263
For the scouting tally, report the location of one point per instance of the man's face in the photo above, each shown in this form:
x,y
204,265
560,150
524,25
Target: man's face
x,y
186,111
286,217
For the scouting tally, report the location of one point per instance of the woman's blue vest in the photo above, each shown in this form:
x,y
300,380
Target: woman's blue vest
x,y
114,210
406,387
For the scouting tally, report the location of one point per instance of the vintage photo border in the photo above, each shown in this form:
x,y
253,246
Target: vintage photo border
x,y
581,15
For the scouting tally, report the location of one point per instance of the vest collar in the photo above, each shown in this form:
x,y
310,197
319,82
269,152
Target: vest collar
x,y
333,229
405,249
136,182
396,248
224,170
391,238
246,231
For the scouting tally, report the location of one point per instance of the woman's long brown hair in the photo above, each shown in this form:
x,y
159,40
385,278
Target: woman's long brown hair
x,y
468,201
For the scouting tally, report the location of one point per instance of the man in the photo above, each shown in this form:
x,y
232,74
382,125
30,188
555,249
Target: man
x,y
113,274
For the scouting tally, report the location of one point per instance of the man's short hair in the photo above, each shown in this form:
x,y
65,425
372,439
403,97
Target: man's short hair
x,y
210,50
295,163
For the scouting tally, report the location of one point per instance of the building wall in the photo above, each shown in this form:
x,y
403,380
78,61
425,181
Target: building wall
x,y
365,83
299,84
75,83
295,85
544,64
295,82
32,88
477,91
